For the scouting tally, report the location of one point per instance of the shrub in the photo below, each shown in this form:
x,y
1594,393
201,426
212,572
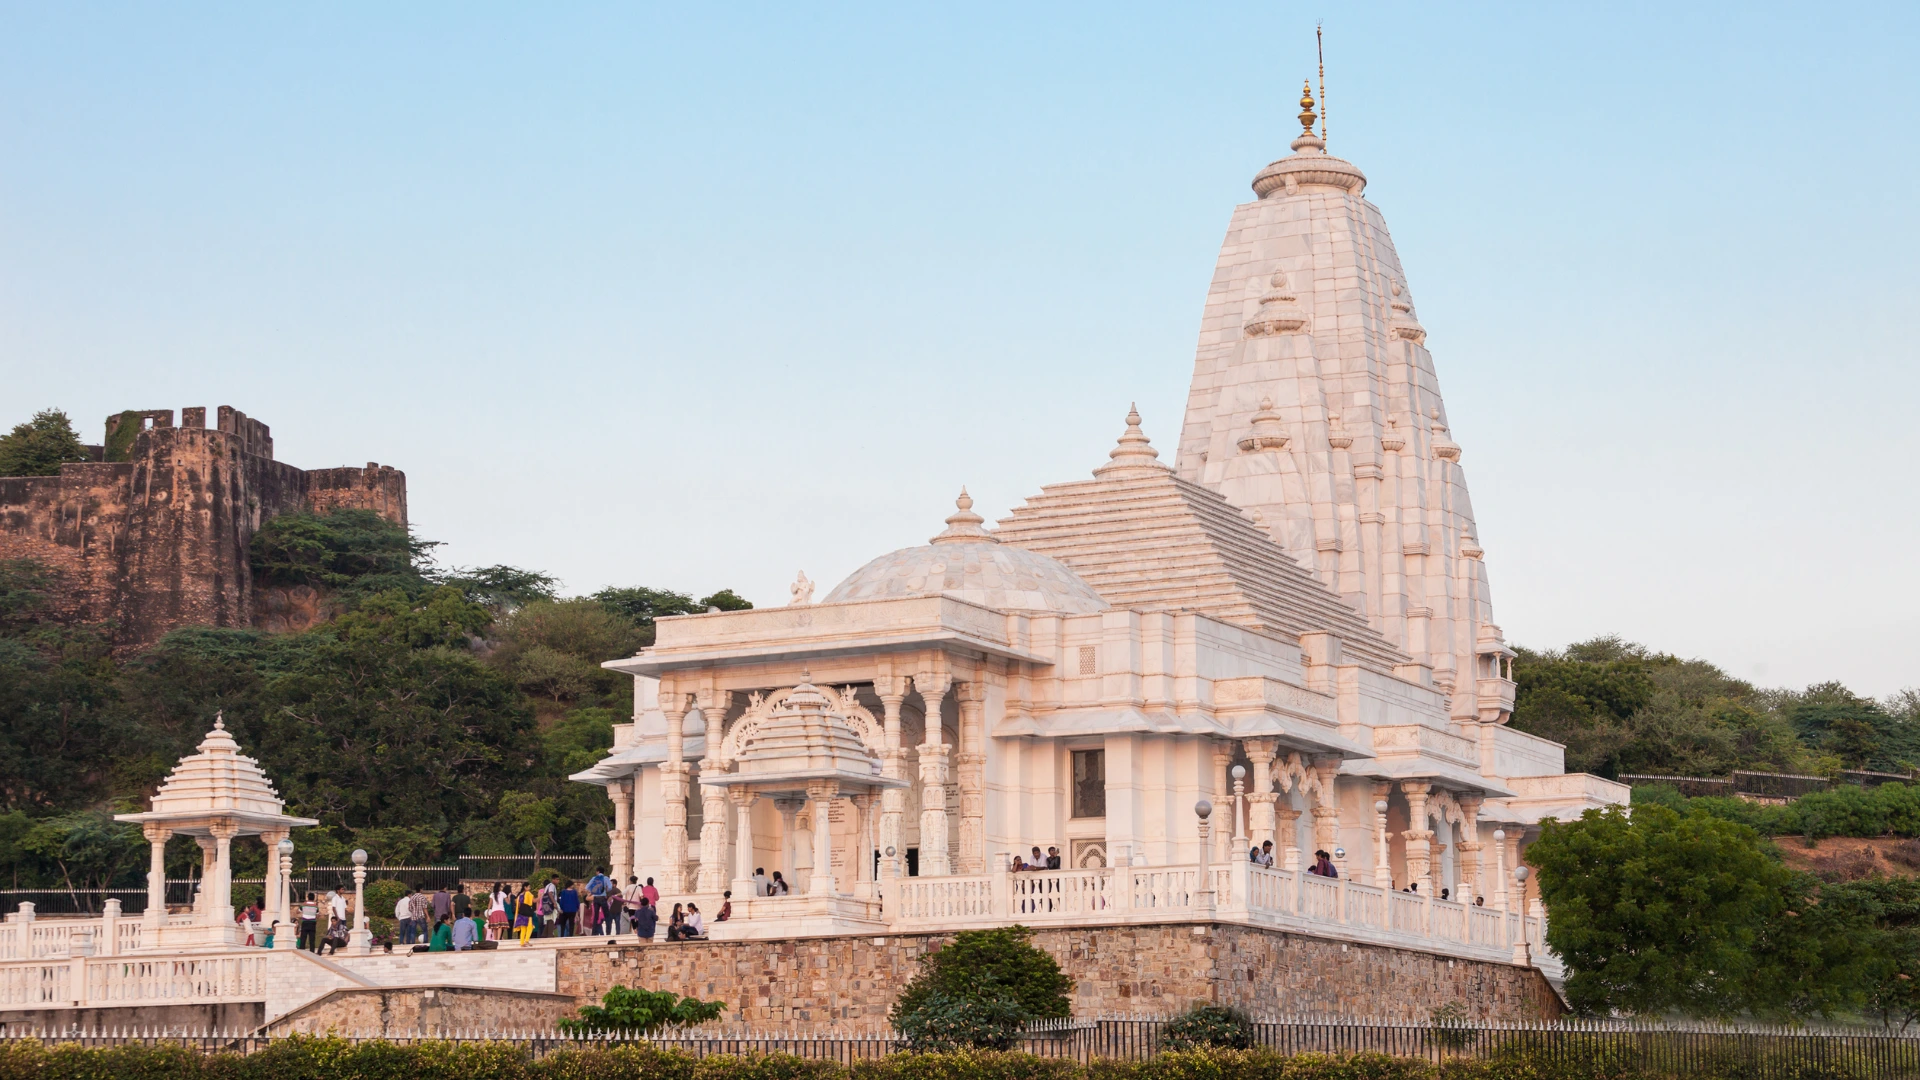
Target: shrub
x,y
642,1012
1205,1026
979,990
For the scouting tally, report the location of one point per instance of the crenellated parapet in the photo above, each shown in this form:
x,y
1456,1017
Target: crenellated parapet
x,y
154,534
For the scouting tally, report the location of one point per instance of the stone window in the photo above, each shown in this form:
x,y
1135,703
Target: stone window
x,y
1089,783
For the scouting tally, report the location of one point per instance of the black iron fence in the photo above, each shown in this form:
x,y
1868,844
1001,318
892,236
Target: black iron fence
x,y
1619,1049
180,892
1764,785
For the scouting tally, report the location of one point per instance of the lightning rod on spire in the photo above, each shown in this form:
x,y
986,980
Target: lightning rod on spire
x,y
1319,47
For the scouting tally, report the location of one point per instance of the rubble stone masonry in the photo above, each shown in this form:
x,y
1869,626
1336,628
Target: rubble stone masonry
x,y
155,535
851,982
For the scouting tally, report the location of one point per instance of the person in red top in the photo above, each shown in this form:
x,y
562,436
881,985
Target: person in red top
x,y
652,894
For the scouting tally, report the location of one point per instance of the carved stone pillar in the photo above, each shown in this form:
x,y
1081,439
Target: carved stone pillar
x,y
156,914
220,908
270,889
620,839
673,793
934,861
1383,855
1287,825
209,863
1326,808
893,764
1514,891
789,831
1419,838
1223,796
863,847
1260,793
972,762
820,797
713,797
1470,846
742,800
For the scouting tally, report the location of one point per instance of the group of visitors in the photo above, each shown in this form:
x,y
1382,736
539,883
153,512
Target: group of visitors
x,y
1262,856
1049,861
769,886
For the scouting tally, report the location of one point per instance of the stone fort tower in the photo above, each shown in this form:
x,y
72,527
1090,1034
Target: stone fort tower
x,y
1315,407
154,533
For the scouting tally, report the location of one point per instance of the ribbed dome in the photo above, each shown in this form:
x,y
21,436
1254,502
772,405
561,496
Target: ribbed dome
x,y
803,738
218,777
967,562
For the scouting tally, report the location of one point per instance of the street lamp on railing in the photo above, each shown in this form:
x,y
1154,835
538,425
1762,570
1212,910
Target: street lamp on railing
x,y
1203,888
360,940
1521,953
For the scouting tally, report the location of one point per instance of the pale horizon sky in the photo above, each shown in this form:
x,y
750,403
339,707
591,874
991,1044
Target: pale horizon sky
x,y
697,299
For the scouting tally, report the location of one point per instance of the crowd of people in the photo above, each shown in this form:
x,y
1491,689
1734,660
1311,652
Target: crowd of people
x,y
447,919
1049,861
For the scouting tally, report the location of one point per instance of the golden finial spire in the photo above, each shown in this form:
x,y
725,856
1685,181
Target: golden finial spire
x,y
1307,116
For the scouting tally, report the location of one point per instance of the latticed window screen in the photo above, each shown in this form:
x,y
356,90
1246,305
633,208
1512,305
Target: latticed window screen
x,y
1089,660
1089,783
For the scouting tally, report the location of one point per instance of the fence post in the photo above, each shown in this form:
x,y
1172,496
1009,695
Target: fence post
x,y
1002,888
79,947
109,944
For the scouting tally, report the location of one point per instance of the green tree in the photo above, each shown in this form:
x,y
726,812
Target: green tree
x,y
343,549
90,848
528,818
642,605
40,446
1657,912
503,588
990,982
642,1012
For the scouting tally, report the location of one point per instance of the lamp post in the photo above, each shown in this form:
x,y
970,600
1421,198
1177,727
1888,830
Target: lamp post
x,y
1203,889
1521,953
286,932
360,940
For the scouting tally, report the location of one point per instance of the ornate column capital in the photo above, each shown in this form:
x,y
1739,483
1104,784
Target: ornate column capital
x,y
155,832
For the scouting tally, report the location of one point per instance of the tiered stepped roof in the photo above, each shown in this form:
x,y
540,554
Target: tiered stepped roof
x,y
1146,539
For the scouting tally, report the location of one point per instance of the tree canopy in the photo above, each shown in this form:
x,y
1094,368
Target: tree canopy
x,y
38,447
1654,911
1622,708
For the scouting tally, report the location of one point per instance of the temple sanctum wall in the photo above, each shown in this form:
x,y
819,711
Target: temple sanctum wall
x,y
851,982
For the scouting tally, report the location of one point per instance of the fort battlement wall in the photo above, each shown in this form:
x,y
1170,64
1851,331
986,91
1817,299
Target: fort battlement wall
x,y
154,534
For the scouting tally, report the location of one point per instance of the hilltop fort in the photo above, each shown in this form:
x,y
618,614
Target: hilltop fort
x,y
153,534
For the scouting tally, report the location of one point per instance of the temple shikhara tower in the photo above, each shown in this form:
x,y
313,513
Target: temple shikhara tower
x,y
1315,406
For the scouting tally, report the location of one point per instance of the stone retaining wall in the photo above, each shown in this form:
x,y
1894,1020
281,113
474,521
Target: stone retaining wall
x,y
851,982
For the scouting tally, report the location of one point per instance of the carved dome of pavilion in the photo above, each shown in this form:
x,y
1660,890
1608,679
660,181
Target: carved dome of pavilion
x,y
968,563
803,738
217,781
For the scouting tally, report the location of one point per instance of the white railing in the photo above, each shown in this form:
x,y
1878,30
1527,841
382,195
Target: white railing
x,y
1288,899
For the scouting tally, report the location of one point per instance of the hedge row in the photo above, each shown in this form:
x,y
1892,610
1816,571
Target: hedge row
x,y
337,1059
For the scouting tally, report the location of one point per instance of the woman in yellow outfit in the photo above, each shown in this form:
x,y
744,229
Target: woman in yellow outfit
x,y
524,907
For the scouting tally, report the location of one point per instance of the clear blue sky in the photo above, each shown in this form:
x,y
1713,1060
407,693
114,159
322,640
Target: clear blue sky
x,y
698,299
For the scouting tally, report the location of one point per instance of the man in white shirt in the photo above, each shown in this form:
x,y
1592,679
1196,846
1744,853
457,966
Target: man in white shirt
x,y
760,882
403,919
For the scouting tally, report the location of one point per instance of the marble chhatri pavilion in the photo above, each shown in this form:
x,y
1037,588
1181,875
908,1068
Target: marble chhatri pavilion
x,y
1284,635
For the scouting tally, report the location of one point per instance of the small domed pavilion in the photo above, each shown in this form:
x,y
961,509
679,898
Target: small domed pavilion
x,y
214,795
